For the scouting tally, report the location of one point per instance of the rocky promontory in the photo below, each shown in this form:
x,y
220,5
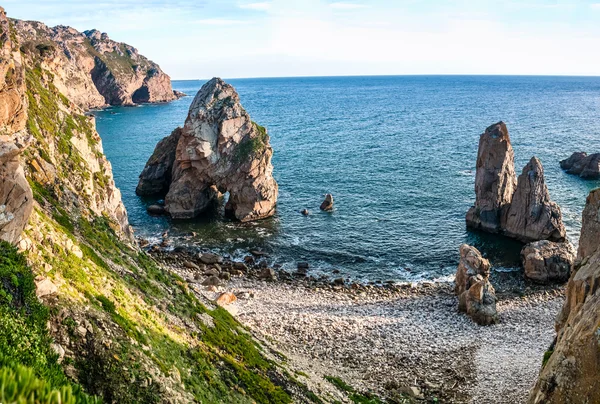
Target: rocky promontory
x,y
91,69
219,150
584,165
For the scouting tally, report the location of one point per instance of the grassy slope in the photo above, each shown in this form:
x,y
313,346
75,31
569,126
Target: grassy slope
x,y
132,332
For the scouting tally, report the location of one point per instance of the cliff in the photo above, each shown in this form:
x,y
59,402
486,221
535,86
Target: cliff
x,y
571,366
100,319
92,70
220,149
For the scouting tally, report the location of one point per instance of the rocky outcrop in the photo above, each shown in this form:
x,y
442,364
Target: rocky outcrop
x,y
156,177
581,164
572,364
476,295
220,149
92,70
16,198
327,204
495,179
547,262
532,215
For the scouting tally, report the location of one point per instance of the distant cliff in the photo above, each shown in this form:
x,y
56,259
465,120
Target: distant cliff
x,y
91,69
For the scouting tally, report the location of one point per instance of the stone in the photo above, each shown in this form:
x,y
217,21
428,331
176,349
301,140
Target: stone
x,y
571,365
532,216
191,265
476,295
225,276
240,266
267,274
495,179
303,266
548,262
45,287
225,299
210,259
327,204
211,272
584,165
59,350
305,212
339,281
413,391
220,149
211,281
156,210
156,176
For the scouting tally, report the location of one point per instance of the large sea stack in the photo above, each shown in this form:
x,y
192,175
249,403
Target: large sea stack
x,y
495,179
220,149
572,364
584,165
532,216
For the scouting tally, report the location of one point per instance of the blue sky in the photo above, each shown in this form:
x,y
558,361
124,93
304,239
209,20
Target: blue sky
x,y
231,38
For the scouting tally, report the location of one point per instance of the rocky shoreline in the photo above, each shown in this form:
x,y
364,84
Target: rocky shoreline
x,y
399,341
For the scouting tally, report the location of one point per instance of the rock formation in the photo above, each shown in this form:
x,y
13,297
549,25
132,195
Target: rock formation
x,y
572,364
546,262
220,149
16,198
327,204
476,295
495,180
581,164
92,70
532,215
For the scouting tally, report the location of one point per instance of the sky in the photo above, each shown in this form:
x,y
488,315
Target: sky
x,y
285,38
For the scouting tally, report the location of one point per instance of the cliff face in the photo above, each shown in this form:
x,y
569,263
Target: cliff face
x,y
98,316
92,70
219,147
571,366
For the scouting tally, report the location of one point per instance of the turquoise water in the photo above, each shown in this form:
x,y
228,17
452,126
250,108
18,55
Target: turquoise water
x,y
397,153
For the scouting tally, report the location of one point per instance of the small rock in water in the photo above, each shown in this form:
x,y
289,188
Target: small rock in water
x,y
305,212
339,281
327,204
156,210
259,253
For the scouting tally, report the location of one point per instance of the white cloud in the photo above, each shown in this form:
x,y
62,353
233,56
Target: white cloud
x,y
264,6
346,6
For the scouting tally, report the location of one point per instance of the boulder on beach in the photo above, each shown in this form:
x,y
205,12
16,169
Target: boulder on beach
x,y
220,149
476,295
582,164
532,216
327,204
210,258
547,262
495,179
225,299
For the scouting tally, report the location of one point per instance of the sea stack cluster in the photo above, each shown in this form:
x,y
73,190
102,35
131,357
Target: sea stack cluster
x,y
521,208
219,150
584,165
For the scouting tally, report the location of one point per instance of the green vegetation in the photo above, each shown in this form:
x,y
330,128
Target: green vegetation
x,y
547,356
28,365
353,395
252,146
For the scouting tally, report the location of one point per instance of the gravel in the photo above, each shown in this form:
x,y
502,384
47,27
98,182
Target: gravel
x,y
385,340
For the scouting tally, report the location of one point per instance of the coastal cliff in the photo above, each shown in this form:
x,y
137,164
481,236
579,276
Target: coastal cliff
x,y
92,70
571,365
220,149
100,318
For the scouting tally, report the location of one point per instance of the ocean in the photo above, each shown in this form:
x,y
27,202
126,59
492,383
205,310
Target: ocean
x,y
398,154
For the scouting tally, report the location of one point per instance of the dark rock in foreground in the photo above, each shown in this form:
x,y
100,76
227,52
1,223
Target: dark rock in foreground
x,y
546,262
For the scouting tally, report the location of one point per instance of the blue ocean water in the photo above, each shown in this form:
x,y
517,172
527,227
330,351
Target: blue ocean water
x,y
397,153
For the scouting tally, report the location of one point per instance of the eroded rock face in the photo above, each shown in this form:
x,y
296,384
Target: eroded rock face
x,y
220,149
16,198
532,216
495,179
546,261
583,165
476,295
570,374
156,177
91,69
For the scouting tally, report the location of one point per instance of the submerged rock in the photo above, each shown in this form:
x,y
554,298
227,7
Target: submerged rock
x,y
532,216
546,262
156,210
476,295
582,164
220,149
495,179
571,365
